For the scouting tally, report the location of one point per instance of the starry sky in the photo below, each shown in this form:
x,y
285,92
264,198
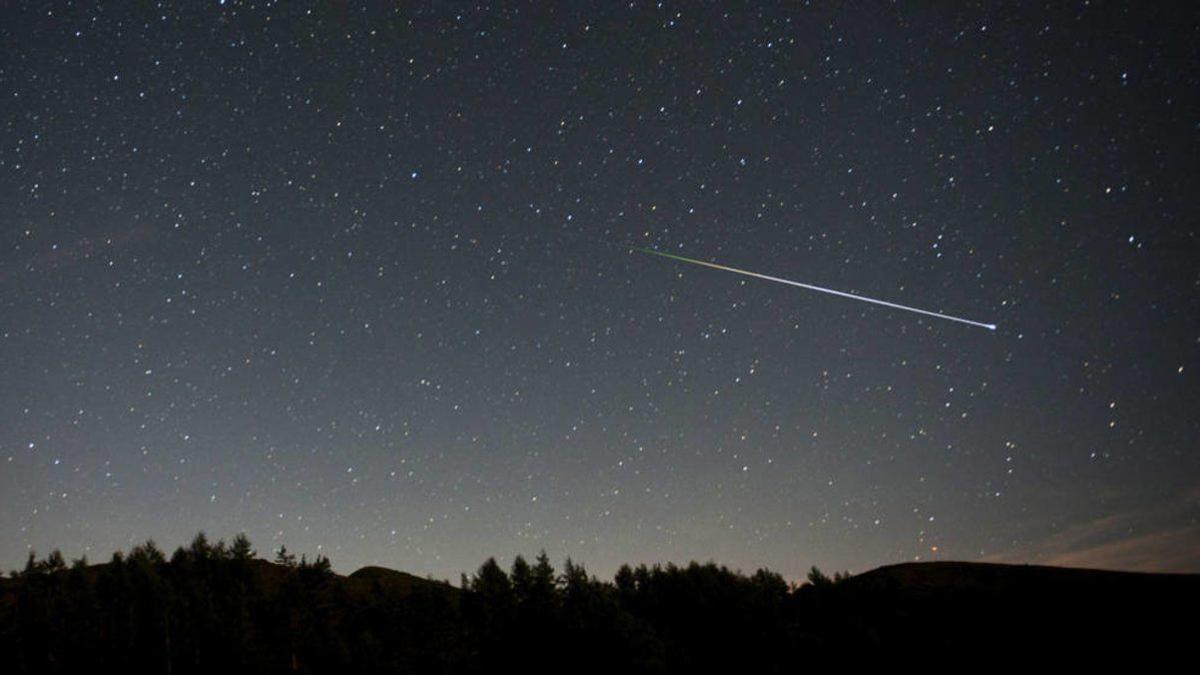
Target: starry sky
x,y
356,279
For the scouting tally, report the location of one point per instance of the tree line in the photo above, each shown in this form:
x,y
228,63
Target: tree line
x,y
216,607
213,607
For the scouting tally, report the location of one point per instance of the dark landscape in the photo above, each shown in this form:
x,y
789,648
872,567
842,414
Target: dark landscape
x,y
217,607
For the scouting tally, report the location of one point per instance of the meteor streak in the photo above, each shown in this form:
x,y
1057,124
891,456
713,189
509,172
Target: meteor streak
x,y
852,296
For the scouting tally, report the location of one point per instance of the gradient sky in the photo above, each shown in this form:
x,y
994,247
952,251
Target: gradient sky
x,y
350,279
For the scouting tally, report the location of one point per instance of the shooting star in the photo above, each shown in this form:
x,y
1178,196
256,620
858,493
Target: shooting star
x,y
821,289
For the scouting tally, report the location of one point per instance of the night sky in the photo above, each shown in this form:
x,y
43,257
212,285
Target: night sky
x,y
357,280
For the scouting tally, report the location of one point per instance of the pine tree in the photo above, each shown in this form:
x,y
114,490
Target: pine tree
x,y
55,562
626,587
543,587
491,581
241,549
200,548
522,580
818,578
282,557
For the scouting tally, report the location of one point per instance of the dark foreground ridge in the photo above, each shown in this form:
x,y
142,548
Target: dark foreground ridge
x,y
217,608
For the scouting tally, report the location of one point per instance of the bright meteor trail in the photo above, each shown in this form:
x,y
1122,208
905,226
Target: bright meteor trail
x,y
863,298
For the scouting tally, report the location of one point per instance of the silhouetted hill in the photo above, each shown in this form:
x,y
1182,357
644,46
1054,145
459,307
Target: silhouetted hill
x,y
946,576
394,584
968,607
216,607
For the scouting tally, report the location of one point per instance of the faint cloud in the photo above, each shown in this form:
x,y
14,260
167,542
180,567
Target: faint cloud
x,y
1176,550
1166,539
78,250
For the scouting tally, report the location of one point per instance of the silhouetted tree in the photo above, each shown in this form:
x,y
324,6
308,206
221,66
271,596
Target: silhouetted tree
x,y
522,580
282,557
241,549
